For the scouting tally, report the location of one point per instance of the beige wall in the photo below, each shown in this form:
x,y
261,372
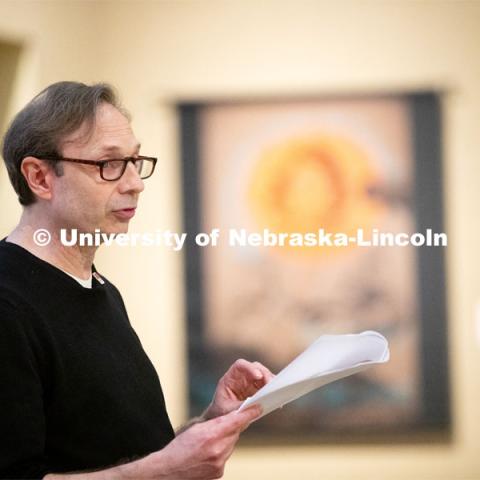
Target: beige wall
x,y
156,52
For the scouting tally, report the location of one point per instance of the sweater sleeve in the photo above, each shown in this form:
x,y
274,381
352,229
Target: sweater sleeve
x,y
22,420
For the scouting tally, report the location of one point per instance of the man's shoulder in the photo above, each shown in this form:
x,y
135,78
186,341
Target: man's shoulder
x,y
26,285
15,282
16,271
34,282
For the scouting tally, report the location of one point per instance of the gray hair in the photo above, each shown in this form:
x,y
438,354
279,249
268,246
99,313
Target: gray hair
x,y
40,127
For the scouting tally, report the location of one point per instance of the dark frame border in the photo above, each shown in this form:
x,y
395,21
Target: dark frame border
x,y
427,135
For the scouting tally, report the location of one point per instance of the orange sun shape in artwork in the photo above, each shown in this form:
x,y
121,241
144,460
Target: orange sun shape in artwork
x,y
307,183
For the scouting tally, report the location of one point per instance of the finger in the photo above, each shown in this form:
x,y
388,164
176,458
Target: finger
x,y
243,368
263,375
265,372
241,377
245,378
238,421
246,416
253,371
244,426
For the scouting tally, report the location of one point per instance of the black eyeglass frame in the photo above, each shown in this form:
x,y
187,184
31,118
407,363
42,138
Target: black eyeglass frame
x,y
101,163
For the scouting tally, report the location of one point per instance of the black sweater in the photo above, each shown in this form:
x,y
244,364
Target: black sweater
x,y
77,391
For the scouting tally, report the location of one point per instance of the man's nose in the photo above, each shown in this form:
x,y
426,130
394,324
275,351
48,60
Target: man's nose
x,y
130,180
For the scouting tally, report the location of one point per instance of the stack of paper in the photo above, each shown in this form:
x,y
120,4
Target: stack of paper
x,y
329,358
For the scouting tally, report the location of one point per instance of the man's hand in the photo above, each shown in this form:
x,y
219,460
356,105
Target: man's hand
x,y
242,380
199,453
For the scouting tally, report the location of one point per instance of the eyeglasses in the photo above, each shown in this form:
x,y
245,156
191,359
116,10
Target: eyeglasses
x,y
113,169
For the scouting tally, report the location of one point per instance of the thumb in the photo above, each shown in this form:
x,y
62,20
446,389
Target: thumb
x,y
241,420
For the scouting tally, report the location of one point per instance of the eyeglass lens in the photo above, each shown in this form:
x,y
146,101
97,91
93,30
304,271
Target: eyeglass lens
x,y
114,169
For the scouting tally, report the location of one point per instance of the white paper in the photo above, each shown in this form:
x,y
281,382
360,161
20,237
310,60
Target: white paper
x,y
329,358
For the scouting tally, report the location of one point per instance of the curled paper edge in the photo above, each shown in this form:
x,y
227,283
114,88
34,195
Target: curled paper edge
x,y
272,400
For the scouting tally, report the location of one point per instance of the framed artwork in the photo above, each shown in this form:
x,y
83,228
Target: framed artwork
x,y
257,171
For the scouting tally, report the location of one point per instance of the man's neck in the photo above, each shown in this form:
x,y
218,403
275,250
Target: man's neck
x,y
75,260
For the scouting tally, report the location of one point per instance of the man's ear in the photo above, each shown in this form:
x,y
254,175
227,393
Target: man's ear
x,y
38,174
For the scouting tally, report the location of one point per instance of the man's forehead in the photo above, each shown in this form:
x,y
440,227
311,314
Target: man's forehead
x,y
111,131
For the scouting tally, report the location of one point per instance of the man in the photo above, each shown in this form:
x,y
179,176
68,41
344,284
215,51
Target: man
x,y
78,393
